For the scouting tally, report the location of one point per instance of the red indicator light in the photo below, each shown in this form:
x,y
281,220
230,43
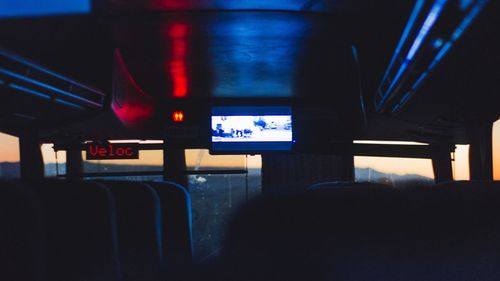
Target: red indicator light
x,y
178,116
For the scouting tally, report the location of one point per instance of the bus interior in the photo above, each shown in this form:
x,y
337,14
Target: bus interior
x,y
148,140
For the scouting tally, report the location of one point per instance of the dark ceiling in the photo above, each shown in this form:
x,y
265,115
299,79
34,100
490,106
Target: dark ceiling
x,y
81,46
287,48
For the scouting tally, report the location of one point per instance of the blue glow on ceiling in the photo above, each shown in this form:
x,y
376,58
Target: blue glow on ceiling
x,y
287,5
24,8
441,45
70,104
411,22
260,59
29,91
43,85
437,43
436,9
469,19
465,4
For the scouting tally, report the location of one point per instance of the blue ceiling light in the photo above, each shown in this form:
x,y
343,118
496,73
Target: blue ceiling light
x,y
25,78
47,86
404,37
429,22
27,8
465,4
438,43
70,104
473,13
22,89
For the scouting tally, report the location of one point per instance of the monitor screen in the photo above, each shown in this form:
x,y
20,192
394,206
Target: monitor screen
x,y
251,129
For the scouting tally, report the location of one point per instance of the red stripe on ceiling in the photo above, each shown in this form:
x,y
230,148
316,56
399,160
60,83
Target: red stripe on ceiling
x,y
176,66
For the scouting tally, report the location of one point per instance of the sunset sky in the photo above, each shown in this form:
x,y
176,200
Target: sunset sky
x,y
9,152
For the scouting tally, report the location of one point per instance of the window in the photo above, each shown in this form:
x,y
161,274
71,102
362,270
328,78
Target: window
x,y
496,150
398,172
461,162
9,156
215,197
54,162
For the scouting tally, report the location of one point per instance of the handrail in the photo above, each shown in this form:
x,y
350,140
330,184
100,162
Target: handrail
x,y
432,30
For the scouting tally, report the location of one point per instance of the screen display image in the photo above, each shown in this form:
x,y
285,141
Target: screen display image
x,y
248,128
251,128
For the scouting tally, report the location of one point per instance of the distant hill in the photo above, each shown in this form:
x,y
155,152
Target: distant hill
x,y
9,170
372,175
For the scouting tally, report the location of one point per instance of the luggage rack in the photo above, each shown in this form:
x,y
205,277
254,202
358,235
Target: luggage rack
x,y
432,30
22,77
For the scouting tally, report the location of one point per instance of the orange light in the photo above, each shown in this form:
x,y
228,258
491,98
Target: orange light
x,y
178,116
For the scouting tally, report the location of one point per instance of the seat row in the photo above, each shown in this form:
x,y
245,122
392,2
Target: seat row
x,y
93,230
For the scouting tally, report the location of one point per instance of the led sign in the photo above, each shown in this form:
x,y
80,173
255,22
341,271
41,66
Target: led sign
x,y
111,151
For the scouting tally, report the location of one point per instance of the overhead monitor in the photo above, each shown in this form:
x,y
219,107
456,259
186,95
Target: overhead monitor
x,y
251,129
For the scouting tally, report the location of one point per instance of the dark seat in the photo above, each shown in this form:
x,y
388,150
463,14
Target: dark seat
x,y
20,233
176,217
139,226
470,184
368,233
346,184
80,230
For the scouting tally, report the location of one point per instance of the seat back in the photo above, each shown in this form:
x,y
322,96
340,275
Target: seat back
x,y
80,230
176,219
20,233
366,233
470,184
94,230
139,223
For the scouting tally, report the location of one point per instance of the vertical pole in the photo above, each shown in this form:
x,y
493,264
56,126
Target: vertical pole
x,y
74,163
441,163
174,166
32,166
481,152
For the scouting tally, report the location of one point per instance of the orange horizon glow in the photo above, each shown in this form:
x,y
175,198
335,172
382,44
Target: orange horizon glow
x,y
395,165
461,163
9,148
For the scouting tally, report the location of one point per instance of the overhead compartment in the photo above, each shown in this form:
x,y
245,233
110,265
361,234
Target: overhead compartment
x,y
33,96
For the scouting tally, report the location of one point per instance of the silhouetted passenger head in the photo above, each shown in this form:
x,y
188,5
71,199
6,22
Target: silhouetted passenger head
x,y
363,233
